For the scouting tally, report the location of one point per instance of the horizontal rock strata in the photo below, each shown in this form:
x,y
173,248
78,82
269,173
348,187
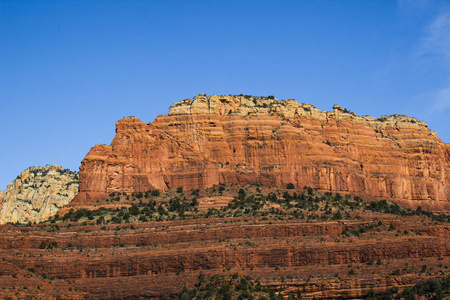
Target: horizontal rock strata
x,y
244,139
149,259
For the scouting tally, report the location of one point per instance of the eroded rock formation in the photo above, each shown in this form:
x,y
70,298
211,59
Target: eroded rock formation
x,y
245,139
38,193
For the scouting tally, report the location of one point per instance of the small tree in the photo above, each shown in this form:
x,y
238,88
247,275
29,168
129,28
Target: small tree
x,y
134,210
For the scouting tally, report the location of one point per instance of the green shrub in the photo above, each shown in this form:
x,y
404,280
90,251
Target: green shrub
x,y
290,186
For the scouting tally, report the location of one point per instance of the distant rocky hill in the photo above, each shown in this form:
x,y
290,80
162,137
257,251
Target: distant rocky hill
x,y
37,193
245,139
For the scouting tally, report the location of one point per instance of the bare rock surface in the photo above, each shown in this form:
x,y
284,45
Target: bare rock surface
x,y
245,139
37,194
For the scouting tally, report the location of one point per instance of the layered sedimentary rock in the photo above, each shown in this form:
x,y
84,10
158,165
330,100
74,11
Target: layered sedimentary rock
x,y
38,193
145,260
245,139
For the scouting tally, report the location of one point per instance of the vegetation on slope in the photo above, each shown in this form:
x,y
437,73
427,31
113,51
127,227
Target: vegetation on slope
x,y
233,286
430,289
277,204
236,286
369,223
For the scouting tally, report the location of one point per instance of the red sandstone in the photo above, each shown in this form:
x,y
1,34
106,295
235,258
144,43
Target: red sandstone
x,y
237,140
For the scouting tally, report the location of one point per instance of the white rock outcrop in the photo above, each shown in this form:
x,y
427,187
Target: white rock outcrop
x,y
37,194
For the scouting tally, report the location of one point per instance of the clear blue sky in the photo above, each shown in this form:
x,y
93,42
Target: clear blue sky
x,y
70,69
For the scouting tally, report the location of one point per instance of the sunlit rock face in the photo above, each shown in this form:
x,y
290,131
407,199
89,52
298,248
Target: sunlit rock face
x,y
37,194
244,139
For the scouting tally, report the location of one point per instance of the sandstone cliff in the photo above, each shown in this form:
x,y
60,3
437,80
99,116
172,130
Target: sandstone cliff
x,y
38,193
245,139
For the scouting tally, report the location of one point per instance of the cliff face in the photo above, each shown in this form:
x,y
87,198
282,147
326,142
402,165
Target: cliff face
x,y
38,193
243,139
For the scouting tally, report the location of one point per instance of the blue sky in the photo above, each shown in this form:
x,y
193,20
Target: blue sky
x,y
70,69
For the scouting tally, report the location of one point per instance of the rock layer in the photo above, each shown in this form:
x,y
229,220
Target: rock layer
x,y
145,260
245,139
38,193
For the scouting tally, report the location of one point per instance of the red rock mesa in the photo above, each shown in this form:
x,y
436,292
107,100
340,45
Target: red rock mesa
x,y
244,139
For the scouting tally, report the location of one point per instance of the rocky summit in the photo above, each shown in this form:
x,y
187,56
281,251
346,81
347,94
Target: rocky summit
x,y
37,194
210,140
